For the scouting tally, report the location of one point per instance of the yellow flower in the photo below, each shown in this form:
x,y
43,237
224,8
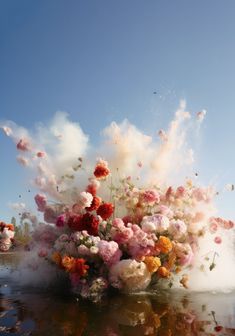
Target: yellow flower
x,y
164,244
152,263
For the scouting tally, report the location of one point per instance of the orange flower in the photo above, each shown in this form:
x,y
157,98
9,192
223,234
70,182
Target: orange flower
x,y
68,263
56,258
164,244
171,261
152,263
163,272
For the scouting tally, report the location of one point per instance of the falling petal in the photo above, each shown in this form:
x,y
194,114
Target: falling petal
x,y
201,115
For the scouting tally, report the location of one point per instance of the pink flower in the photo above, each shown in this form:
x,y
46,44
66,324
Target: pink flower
x,y
184,253
151,196
180,191
23,145
158,223
41,202
60,221
177,228
218,240
50,215
109,251
120,233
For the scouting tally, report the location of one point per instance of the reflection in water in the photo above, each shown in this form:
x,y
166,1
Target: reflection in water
x,y
25,311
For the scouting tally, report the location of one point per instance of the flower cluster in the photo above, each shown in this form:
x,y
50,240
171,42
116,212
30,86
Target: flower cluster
x,y
6,236
137,238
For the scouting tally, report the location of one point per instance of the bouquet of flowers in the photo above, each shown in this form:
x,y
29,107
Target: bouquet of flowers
x,y
6,236
135,239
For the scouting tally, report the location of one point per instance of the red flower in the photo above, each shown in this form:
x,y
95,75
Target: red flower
x,y
80,267
95,204
105,210
74,223
86,222
218,328
101,171
90,223
91,188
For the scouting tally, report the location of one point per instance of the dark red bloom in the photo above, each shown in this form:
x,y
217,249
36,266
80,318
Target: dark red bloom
x,y
105,210
218,328
101,171
95,204
90,223
74,222
86,222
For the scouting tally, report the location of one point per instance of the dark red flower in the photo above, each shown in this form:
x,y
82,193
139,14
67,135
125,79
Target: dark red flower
x,y
218,328
101,171
74,222
90,223
105,210
95,204
86,222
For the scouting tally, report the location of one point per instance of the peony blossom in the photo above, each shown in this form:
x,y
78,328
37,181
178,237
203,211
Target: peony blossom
x,y
158,223
177,228
130,275
109,251
151,197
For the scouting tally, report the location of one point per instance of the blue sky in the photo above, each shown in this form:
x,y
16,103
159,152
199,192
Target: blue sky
x,y
101,60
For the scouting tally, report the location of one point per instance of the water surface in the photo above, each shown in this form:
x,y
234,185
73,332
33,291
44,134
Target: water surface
x,y
53,311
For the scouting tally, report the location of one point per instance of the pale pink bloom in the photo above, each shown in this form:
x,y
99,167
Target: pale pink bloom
x,y
22,160
218,240
151,196
85,199
109,251
23,145
166,211
130,275
102,162
6,234
184,253
158,223
41,202
177,228
5,245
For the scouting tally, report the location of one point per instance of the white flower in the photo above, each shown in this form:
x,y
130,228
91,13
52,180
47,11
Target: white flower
x,y
159,223
177,228
130,275
85,199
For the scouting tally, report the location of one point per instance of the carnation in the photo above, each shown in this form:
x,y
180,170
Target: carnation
x,y
105,210
41,202
85,199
